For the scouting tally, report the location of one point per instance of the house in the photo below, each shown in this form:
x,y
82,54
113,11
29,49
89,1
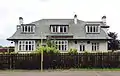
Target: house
x,y
65,33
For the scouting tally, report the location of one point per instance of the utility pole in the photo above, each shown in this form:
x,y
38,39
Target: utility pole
x,y
41,52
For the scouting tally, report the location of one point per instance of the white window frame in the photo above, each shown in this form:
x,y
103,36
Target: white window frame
x,y
88,27
22,45
95,46
32,29
60,44
57,29
82,48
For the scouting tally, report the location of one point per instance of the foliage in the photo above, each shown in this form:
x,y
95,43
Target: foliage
x,y
113,44
47,49
73,51
1,46
50,44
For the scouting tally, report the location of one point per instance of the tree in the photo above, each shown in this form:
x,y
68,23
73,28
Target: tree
x,y
113,44
0,46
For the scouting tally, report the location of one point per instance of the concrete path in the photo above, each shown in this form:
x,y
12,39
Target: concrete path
x,y
60,73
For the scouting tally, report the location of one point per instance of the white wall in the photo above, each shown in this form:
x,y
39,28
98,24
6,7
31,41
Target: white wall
x,y
88,47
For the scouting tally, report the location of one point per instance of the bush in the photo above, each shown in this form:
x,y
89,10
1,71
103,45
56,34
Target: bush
x,y
73,51
47,49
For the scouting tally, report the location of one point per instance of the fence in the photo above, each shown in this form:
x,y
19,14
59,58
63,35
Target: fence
x,y
60,61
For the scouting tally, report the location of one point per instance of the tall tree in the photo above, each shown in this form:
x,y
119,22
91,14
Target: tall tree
x,y
113,44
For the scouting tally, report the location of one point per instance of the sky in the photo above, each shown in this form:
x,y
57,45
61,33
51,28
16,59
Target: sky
x,y
33,10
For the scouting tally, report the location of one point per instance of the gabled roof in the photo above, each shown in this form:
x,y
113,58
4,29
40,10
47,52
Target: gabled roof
x,y
77,30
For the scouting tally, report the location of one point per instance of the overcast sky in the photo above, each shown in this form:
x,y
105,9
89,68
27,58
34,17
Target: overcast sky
x,y
32,10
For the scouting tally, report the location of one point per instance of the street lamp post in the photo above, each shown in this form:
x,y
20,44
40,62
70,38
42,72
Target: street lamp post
x,y
41,53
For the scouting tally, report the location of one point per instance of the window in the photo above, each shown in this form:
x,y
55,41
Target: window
x,y
61,44
26,45
92,29
28,29
95,46
59,28
82,47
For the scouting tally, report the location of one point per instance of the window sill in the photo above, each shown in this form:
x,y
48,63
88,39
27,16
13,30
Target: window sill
x,y
27,32
59,32
92,32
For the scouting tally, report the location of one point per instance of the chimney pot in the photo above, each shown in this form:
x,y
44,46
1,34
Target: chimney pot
x,y
20,20
104,19
75,19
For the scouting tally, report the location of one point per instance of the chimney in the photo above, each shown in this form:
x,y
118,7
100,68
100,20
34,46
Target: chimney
x,y
75,19
104,20
20,20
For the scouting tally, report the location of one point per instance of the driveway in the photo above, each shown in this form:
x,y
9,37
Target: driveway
x,y
60,73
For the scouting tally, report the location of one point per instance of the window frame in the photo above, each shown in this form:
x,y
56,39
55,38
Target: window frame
x,y
61,45
22,46
95,46
27,28
59,28
92,28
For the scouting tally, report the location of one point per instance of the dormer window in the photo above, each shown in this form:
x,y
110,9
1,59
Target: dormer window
x,y
59,28
92,28
27,28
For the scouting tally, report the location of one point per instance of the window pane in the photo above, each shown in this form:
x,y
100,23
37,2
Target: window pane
x,y
22,28
65,47
94,29
65,28
26,47
20,47
25,28
28,28
56,29
61,28
53,28
90,28
59,47
26,42
83,47
62,47
30,47
80,48
31,28
29,42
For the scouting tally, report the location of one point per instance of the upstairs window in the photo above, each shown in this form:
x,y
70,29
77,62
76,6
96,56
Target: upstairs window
x,y
92,29
28,29
59,28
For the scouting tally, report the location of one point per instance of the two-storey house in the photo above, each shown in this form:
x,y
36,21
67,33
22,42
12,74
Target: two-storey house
x,y
65,33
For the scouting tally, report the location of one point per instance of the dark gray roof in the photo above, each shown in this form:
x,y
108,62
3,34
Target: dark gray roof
x,y
76,30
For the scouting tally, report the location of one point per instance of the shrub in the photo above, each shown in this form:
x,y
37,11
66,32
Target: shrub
x,y
73,51
47,49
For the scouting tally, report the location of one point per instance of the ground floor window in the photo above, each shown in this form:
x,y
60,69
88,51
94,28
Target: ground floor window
x,y
26,45
95,46
61,44
82,47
